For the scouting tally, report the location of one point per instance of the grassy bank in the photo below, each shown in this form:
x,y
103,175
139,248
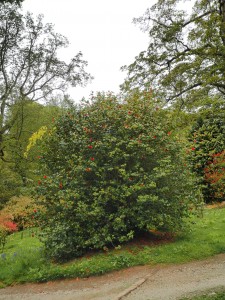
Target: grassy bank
x,y
23,259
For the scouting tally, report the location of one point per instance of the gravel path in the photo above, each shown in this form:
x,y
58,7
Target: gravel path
x,y
138,283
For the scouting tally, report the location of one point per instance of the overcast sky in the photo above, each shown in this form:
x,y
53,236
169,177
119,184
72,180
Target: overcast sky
x,y
102,30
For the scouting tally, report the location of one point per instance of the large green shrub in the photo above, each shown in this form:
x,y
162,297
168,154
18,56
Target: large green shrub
x,y
111,170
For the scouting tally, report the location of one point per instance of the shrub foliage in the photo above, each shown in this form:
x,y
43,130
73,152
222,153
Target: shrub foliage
x,y
110,170
214,175
207,153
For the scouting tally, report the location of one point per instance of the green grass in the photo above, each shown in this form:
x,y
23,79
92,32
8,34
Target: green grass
x,y
23,259
210,295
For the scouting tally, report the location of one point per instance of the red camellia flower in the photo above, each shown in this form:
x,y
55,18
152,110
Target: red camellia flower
x,y
193,148
92,158
90,147
60,185
169,133
35,210
154,137
44,176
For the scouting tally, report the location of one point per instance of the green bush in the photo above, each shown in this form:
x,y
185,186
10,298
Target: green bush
x,y
111,170
3,237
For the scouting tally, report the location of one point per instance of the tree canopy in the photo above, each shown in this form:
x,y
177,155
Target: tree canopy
x,y
18,175
29,65
11,1
185,58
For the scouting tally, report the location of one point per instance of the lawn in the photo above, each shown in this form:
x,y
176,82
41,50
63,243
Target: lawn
x,y
23,258
211,295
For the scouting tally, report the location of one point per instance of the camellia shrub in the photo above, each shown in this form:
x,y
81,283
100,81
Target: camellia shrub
x,y
112,169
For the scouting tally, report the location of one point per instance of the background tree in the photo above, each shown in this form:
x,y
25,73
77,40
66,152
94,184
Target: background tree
x,y
29,65
185,58
10,182
18,174
11,1
30,118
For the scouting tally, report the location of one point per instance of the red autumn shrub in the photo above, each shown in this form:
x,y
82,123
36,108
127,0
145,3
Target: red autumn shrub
x,y
23,211
214,174
6,227
7,224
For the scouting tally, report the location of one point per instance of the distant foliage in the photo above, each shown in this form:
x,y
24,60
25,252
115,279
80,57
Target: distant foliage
x,y
215,176
9,183
20,147
206,154
34,138
110,170
22,211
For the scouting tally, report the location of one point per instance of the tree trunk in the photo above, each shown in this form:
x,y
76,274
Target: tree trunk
x,y
1,147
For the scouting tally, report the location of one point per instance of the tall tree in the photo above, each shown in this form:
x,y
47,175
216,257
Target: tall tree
x,y
29,65
185,58
31,117
19,174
